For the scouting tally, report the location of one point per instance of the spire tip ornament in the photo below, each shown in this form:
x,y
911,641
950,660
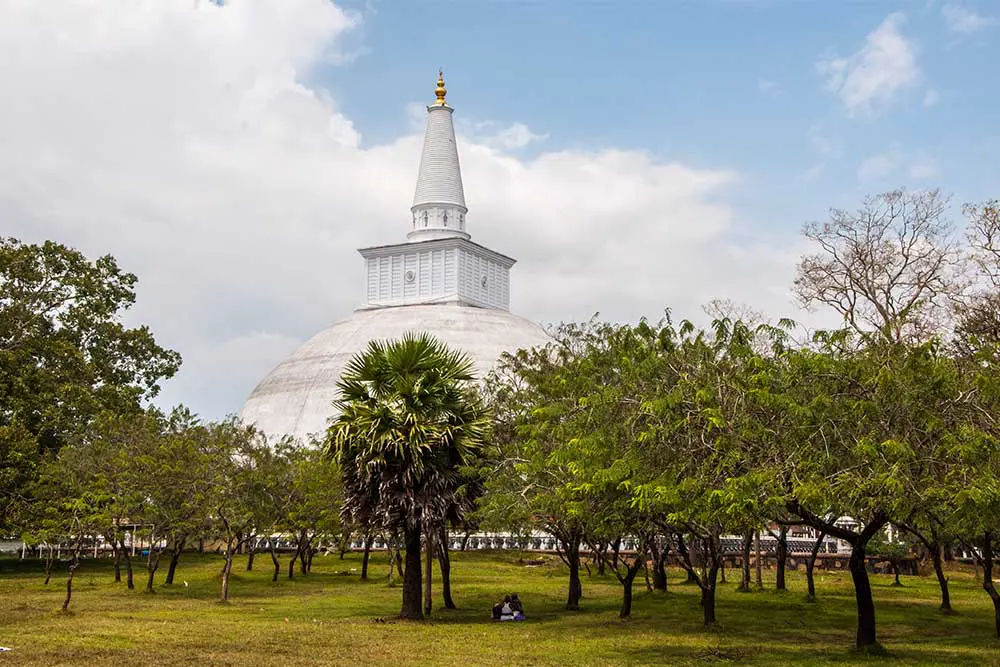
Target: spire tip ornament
x,y
440,91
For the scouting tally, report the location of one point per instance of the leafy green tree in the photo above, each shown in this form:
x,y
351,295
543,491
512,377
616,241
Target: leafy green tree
x,y
313,511
410,420
66,510
871,432
234,485
701,430
106,456
65,355
891,551
171,474
531,481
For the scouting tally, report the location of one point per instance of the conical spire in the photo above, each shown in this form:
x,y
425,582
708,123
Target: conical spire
x,y
438,209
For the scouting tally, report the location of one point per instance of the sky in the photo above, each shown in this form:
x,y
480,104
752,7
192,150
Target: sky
x,y
633,156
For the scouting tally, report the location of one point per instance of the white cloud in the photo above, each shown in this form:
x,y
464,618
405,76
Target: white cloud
x,y
964,21
923,168
870,78
825,147
768,88
822,143
931,98
186,139
878,167
510,137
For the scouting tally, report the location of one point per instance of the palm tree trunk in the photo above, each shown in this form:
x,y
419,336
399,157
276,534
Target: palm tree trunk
x,y
428,599
411,575
366,557
444,561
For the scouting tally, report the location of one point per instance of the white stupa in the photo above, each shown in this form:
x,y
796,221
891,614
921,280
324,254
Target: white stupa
x,y
439,282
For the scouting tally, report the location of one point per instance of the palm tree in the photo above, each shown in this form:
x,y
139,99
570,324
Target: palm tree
x,y
410,420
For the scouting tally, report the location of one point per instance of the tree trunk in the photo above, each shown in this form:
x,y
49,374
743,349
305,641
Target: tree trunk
x,y
412,575
226,570
573,562
810,565
708,603
465,540
117,555
866,637
599,552
988,586
936,559
745,556
295,555
685,554
428,576
781,558
251,552
894,564
936,552
444,562
626,582
659,568
366,556
758,561
303,549
129,576
273,547
398,560
74,562
50,559
175,556
152,564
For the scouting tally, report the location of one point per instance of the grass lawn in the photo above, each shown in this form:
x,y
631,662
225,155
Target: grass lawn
x,y
332,617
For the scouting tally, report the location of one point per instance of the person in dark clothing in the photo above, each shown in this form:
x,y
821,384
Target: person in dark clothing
x,y
516,607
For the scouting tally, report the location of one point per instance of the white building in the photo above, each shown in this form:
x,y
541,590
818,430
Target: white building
x,y
439,282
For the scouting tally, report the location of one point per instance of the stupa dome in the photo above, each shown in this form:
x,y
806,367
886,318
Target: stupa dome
x,y
439,282
296,397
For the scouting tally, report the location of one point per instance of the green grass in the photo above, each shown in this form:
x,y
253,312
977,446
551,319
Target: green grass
x,y
329,617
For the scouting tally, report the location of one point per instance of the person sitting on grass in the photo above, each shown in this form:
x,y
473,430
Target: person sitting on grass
x,y
516,607
506,612
499,607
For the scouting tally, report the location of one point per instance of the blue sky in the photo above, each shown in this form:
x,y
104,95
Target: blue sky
x,y
730,84
632,156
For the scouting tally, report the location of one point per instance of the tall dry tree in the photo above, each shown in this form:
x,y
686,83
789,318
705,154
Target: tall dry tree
x,y
890,267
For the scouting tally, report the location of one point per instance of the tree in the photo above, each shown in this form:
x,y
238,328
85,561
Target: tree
x,y
65,356
314,509
238,486
700,444
869,432
531,481
107,457
172,477
65,510
888,267
974,505
983,235
410,419
891,551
